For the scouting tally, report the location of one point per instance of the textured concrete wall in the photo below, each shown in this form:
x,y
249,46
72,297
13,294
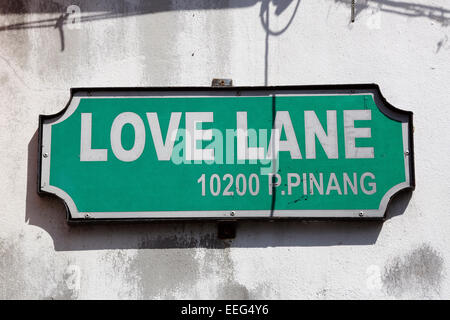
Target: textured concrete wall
x,y
402,45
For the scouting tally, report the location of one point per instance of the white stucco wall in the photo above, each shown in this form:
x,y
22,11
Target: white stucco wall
x,y
402,45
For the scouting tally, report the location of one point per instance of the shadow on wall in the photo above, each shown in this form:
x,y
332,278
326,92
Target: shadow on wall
x,y
71,12
406,8
99,10
49,213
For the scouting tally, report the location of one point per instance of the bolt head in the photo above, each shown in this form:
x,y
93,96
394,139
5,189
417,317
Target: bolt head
x,y
232,213
45,155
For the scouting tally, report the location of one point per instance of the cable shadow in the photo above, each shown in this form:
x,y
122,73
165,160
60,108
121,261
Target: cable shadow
x,y
49,214
264,15
100,10
404,8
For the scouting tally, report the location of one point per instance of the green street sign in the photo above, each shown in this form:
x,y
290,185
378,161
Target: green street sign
x,y
230,152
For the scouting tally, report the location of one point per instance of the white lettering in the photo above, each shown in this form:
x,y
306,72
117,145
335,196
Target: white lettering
x,y
116,136
164,150
314,129
193,135
86,151
351,133
283,120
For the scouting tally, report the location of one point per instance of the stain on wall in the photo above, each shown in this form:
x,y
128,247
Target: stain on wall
x,y
32,274
184,240
199,273
161,273
418,273
11,276
224,267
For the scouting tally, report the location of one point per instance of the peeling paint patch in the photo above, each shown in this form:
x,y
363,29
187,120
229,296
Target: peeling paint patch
x,y
322,294
29,271
67,288
120,282
419,273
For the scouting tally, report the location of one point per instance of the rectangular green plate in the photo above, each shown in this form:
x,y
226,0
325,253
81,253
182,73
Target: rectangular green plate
x,y
343,152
